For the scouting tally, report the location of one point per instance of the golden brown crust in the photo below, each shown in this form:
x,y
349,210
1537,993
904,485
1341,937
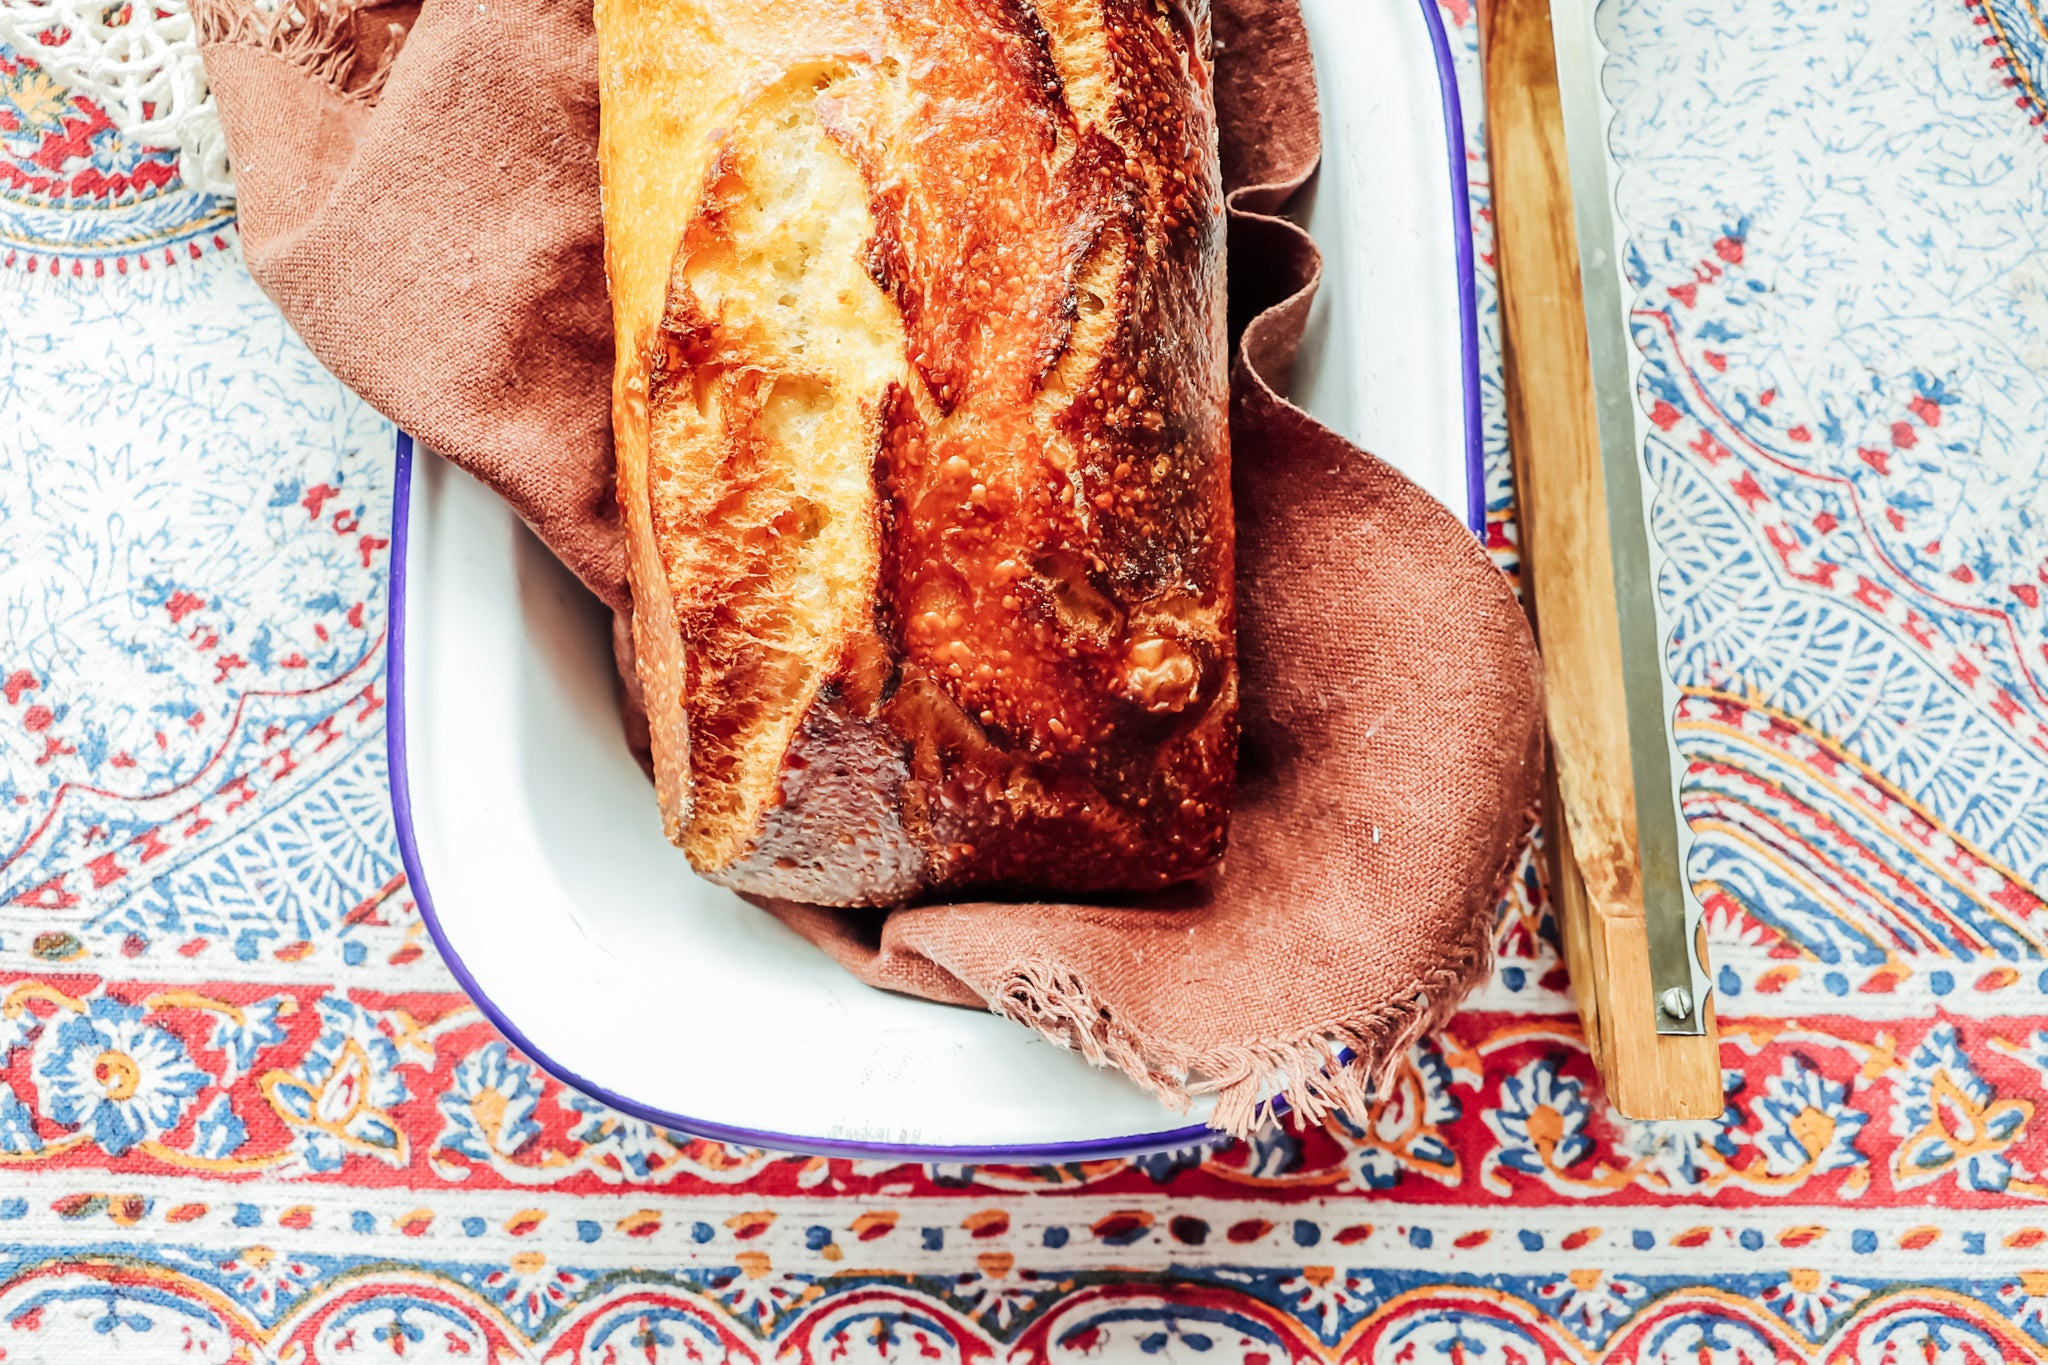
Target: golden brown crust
x,y
1023,672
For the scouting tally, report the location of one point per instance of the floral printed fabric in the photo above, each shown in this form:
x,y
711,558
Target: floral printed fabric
x,y
246,1116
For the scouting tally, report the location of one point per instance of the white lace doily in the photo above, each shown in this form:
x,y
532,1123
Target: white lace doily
x,y
139,61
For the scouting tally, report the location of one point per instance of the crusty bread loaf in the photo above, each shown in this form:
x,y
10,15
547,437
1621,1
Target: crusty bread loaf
x,y
923,440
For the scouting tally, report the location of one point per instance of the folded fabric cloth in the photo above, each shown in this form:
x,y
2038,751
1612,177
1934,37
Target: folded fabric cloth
x,y
419,195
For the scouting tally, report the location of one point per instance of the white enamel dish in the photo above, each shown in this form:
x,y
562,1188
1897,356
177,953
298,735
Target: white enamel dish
x,y
531,836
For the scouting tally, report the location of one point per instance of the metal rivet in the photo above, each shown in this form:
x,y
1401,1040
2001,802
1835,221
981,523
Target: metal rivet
x,y
1676,1002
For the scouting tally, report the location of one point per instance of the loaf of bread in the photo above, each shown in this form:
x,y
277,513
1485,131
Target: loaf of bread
x,y
923,440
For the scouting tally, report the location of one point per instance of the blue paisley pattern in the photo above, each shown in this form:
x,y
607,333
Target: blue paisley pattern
x,y
246,1116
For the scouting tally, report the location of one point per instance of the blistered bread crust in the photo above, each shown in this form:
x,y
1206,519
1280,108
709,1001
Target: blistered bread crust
x,y
923,442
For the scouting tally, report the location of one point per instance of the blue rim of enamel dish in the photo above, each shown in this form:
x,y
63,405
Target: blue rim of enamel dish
x,y
1132,1144
1468,283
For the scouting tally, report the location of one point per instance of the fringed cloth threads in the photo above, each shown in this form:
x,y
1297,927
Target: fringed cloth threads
x,y
323,40
1339,1068
1054,1000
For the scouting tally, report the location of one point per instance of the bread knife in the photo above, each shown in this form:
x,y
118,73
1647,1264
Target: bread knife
x,y
1632,922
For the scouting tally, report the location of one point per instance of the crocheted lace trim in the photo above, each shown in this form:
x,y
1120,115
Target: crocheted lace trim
x,y
137,61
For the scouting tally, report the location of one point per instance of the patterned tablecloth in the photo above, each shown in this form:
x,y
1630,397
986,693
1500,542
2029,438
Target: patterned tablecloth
x,y
246,1116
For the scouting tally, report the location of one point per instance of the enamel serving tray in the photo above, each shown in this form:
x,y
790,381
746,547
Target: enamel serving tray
x,y
531,836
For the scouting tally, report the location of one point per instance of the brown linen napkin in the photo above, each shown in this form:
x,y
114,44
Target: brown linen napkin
x,y
428,221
